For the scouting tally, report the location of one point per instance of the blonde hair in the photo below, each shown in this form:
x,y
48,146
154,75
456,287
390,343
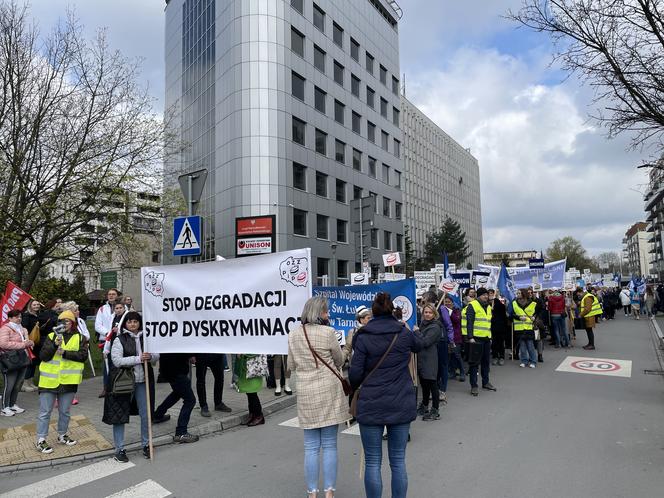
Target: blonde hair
x,y
69,305
432,307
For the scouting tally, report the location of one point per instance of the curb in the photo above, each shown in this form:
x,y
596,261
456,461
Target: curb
x,y
212,427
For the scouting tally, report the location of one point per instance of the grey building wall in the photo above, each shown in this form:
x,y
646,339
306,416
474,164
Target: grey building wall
x,y
229,66
441,179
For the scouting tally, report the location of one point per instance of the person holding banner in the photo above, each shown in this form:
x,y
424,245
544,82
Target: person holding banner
x,y
315,354
174,368
477,330
13,337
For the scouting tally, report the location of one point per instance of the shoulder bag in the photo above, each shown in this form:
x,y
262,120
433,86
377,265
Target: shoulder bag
x,y
123,382
257,367
344,383
356,395
14,359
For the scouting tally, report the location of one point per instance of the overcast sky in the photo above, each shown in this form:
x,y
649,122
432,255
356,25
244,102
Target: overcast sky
x,y
546,170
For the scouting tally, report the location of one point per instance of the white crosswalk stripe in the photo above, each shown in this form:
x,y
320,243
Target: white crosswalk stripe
x,y
145,489
353,430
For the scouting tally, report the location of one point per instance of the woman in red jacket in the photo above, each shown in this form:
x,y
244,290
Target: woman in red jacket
x,y
13,337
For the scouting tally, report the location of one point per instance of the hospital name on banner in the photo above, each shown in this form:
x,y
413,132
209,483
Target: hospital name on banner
x,y
242,305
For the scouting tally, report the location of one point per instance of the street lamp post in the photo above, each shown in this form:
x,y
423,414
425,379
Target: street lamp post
x,y
333,276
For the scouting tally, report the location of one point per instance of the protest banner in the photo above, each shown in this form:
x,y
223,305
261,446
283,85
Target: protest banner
x,y
425,279
391,259
359,279
393,277
551,276
480,279
462,278
14,298
242,305
343,301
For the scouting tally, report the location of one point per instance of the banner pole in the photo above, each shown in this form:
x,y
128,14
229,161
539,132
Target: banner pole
x,y
149,408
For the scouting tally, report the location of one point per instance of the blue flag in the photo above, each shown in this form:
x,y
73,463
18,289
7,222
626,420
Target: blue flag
x,y
506,285
446,264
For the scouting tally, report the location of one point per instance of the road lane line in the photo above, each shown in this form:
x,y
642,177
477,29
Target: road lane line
x,y
145,489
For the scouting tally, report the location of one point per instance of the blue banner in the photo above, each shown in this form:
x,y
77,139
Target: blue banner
x,y
344,300
551,276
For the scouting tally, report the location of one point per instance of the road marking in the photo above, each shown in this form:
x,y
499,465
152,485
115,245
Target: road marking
x,y
596,366
353,430
69,480
292,422
145,489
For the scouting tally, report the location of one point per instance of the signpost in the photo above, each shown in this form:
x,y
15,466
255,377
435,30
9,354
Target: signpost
x,y
255,235
187,236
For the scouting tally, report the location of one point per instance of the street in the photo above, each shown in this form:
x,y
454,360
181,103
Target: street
x,y
545,433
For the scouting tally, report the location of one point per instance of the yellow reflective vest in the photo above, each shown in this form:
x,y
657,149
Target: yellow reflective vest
x,y
59,370
596,308
529,312
482,324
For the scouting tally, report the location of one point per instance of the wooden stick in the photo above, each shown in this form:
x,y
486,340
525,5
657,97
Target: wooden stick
x,y
147,397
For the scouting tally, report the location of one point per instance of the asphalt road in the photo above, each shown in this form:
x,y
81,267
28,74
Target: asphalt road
x,y
544,434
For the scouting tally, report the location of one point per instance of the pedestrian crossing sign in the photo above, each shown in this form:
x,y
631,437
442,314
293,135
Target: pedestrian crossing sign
x,y
187,236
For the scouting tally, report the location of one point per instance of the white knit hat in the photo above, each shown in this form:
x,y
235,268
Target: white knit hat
x,y
361,311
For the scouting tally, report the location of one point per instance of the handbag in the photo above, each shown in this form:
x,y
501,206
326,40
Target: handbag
x,y
344,383
35,334
257,367
123,382
356,395
474,352
579,323
14,359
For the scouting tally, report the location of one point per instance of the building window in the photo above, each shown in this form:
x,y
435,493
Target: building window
x,y
321,184
319,18
383,75
355,85
299,128
297,85
386,173
372,167
321,142
340,151
357,160
371,132
357,192
386,207
319,99
371,97
383,107
395,85
341,191
297,42
338,34
387,240
322,231
355,50
338,73
397,148
375,200
339,111
299,176
342,226
299,222
322,265
384,140
399,242
397,178
370,63
397,210
395,116
155,256
357,122
342,271
319,58
374,237
298,5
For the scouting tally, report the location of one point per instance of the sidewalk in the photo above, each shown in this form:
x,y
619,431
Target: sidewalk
x,y
18,433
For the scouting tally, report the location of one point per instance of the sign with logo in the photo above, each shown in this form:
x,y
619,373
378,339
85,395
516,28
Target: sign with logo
x,y
255,235
536,263
360,279
233,306
187,236
391,259
425,279
343,301
480,279
596,366
449,286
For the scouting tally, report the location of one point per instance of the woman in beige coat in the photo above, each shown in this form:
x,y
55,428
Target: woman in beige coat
x,y
321,403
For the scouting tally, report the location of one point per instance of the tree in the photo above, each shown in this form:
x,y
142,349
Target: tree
x,y
450,238
76,130
607,262
409,252
570,248
615,46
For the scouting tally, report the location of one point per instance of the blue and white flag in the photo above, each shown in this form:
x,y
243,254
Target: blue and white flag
x,y
506,285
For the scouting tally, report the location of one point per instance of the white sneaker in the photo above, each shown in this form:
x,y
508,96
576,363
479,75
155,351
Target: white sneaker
x,y
65,439
7,412
522,365
532,365
16,409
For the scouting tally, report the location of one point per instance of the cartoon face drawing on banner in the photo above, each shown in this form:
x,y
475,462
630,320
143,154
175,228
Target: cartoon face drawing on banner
x,y
546,276
406,307
511,272
154,283
295,271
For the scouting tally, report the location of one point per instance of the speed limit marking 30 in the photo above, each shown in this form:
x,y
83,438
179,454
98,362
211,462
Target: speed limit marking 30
x,y
596,366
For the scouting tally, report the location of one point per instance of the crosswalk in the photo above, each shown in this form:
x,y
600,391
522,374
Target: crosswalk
x,y
86,475
353,430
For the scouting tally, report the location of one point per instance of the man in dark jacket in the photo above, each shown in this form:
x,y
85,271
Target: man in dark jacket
x,y
499,328
174,368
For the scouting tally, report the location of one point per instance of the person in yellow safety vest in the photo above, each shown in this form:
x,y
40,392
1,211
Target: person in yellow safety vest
x,y
476,329
589,308
62,356
524,314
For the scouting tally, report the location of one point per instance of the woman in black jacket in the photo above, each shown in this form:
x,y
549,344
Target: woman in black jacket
x,y
387,395
427,362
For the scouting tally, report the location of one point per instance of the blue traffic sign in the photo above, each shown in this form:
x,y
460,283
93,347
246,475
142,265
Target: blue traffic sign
x,y
187,236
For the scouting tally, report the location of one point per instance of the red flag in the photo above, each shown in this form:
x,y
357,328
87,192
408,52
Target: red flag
x,y
15,298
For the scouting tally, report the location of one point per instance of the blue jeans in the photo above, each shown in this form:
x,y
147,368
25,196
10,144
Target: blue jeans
x,y
443,365
119,429
372,442
527,351
560,330
457,362
314,440
46,402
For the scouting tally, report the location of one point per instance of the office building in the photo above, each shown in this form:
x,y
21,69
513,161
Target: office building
x,y
511,258
637,250
654,208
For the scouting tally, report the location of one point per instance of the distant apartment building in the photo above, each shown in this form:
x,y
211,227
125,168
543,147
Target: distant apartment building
x,y
441,178
637,250
511,258
654,208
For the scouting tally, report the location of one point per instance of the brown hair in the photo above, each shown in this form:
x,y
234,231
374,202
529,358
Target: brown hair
x,y
13,313
382,304
50,303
